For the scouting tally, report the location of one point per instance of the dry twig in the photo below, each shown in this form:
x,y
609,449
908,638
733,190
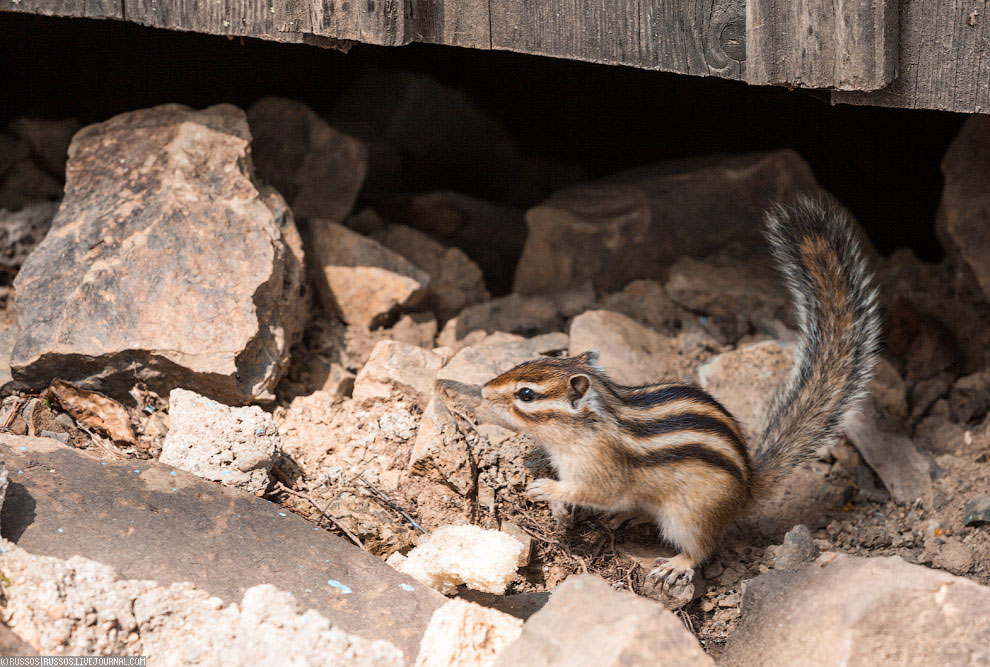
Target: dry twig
x,y
380,495
322,510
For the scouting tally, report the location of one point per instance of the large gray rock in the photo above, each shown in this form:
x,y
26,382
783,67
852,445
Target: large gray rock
x,y
166,264
963,222
317,169
588,624
360,278
634,224
139,517
859,612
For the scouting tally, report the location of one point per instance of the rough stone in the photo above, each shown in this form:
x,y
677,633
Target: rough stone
x,y
483,560
906,470
630,352
398,369
587,623
360,278
48,141
890,390
11,644
8,338
464,634
798,548
80,607
26,183
515,314
969,397
647,302
455,280
137,517
174,268
491,234
316,168
846,610
234,446
635,224
440,451
955,557
671,597
22,231
745,380
12,151
963,222
924,345
729,289
977,512
339,382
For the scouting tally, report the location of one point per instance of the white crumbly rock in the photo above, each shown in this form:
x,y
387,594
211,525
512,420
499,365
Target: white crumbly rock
x,y
80,607
465,634
484,560
234,446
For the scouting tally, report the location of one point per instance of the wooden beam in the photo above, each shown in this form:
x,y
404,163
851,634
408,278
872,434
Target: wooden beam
x,y
838,44
97,9
944,59
369,21
688,36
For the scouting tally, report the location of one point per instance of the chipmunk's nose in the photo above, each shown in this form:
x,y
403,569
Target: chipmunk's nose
x,y
487,392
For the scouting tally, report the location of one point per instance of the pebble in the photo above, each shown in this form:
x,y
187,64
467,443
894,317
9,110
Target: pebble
x,y
798,548
977,512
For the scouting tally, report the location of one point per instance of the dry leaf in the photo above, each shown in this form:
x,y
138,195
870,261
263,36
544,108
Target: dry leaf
x,y
94,410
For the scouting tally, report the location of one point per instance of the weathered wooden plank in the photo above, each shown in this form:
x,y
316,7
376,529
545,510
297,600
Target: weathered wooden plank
x,y
944,60
281,20
462,23
688,36
371,21
97,9
841,44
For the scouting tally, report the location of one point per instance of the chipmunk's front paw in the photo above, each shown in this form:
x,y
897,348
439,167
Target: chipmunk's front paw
x,y
548,491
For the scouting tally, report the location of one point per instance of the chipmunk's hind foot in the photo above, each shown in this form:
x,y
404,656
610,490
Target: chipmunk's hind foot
x,y
672,570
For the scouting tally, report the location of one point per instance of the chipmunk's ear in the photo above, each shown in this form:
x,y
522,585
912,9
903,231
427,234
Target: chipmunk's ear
x,y
590,357
577,388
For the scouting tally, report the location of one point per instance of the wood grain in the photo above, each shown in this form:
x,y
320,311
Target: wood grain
x,y
838,44
944,59
688,36
97,9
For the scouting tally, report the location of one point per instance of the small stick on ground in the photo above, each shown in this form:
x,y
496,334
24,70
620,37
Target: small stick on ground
x,y
322,510
391,503
13,413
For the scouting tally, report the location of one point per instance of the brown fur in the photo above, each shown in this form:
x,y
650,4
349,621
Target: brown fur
x,y
674,451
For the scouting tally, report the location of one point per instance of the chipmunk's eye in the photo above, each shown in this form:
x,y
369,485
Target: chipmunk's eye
x,y
526,395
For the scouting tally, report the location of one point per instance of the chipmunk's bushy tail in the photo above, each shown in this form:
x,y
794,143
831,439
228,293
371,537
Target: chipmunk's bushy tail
x,y
839,335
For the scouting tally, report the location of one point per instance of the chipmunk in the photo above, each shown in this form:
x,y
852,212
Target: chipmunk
x,y
673,451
